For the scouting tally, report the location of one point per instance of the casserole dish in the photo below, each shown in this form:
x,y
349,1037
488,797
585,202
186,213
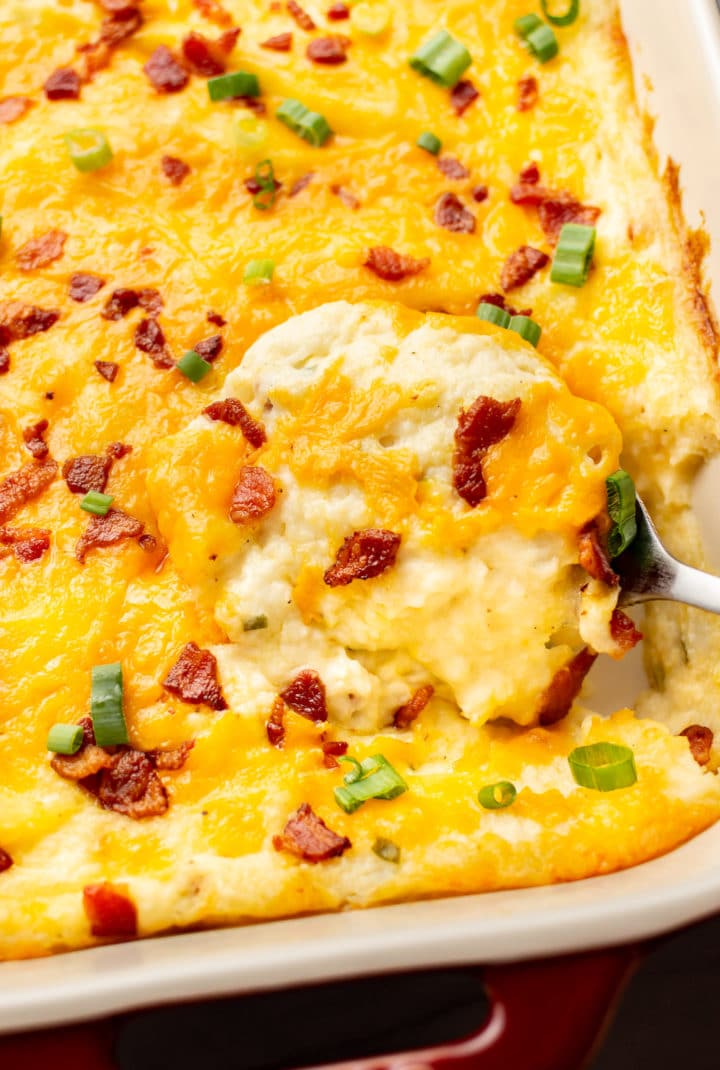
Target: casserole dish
x,y
500,926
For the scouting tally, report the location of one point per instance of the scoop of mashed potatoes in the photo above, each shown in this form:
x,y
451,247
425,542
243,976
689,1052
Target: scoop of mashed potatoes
x,y
483,599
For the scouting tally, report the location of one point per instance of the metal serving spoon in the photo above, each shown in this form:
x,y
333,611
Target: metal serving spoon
x,y
647,572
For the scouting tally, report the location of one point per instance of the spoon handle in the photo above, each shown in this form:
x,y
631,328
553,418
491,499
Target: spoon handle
x,y
696,588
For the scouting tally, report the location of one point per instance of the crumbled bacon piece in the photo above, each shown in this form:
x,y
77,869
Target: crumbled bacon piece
x,y
5,860
521,265
119,303
107,530
28,544
346,196
86,762
203,57
331,50
301,17
216,318
363,556
254,495
307,836
63,84
86,473
405,715
84,286
91,58
123,23
564,688
593,557
116,450
483,425
332,750
391,266
109,910
281,42
174,169
22,486
301,183
172,759
623,631
108,369
452,214
214,11
151,300
700,739
274,726
165,72
463,95
305,694
41,251
233,412
193,678
452,167
34,439
147,543
13,108
150,339
132,787
337,12
500,302
530,174
563,208
528,92
23,321
479,193
209,348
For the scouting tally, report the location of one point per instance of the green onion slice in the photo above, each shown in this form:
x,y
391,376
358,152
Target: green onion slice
x,y
250,132
65,738
430,142
621,507
493,314
573,256
527,328
106,705
379,781
234,84
542,43
193,367
96,503
603,766
497,796
355,773
88,149
265,178
259,272
442,59
526,24
562,20
254,624
309,125
387,850
371,19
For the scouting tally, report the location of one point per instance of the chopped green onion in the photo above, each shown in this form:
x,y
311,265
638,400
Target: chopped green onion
x,y
493,314
355,773
65,738
309,125
603,766
253,624
621,507
232,85
380,781
265,178
193,367
429,142
96,503
89,149
526,24
371,19
387,850
573,256
562,20
542,43
259,272
497,796
442,59
250,132
526,328
106,705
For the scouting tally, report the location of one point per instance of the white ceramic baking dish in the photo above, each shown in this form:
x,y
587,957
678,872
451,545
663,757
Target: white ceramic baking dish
x,y
676,46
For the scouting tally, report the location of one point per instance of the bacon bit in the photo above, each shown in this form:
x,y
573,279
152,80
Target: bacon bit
x,y
255,104
34,440
165,72
528,93
479,193
147,543
117,450
109,910
86,473
521,265
330,50
41,251
214,11
22,486
452,168
463,95
405,715
150,300
307,836
5,860
172,759
107,530
123,23
132,787
299,184
452,214
346,196
563,208
305,694
22,321
301,17
149,338
564,688
274,726
209,348
623,631
91,58
700,739
483,425
499,300
4,361
281,42
203,57
332,750
84,286
119,303
13,108
530,174
174,169
233,412
86,762
593,556
28,544
108,369
193,678
216,318
338,12
363,556
226,41
391,266
254,495
63,84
